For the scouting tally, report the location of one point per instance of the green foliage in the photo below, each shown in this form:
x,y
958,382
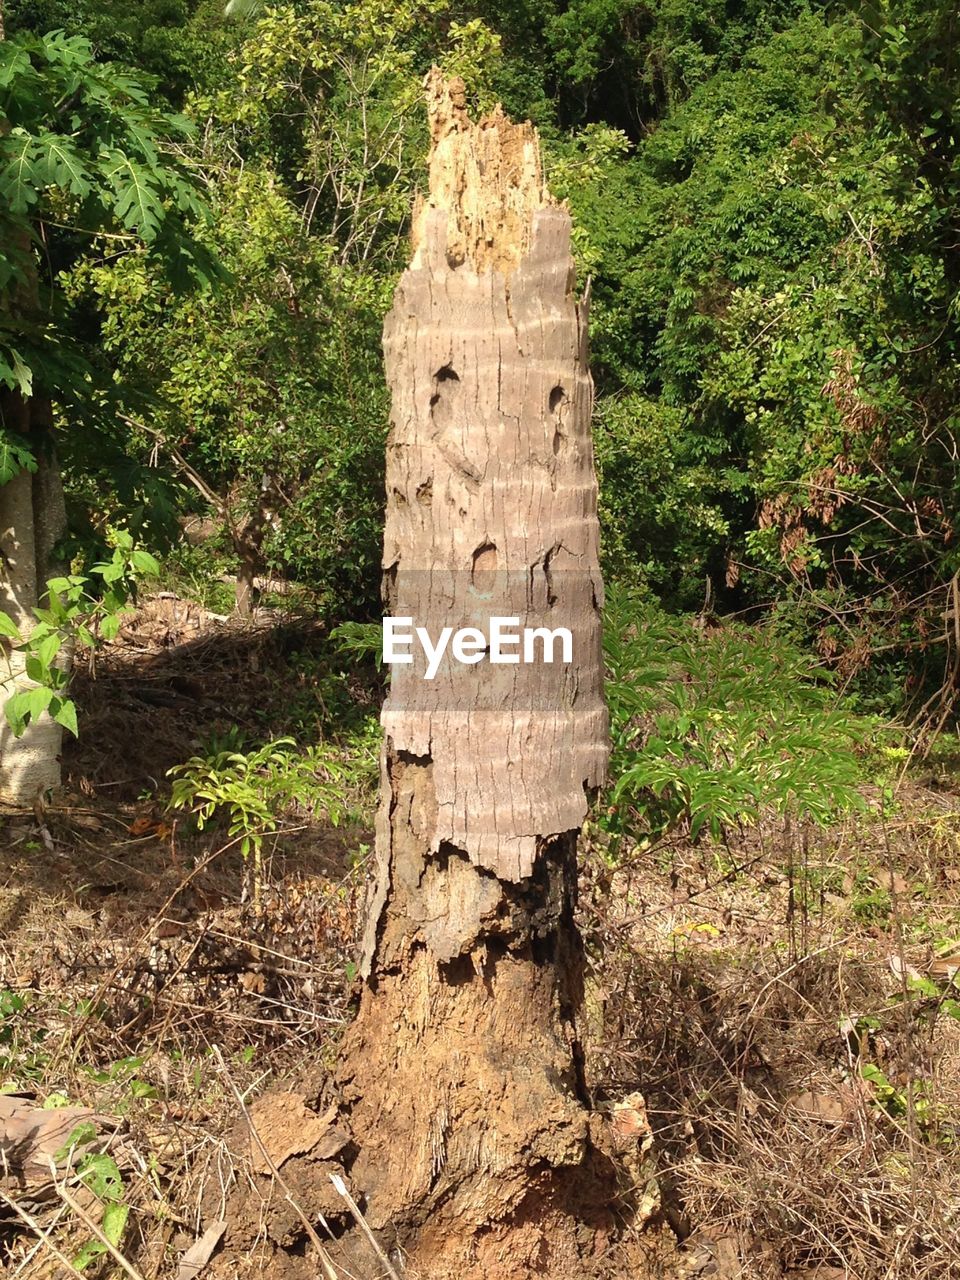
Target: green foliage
x,y
195,573
713,729
266,392
86,161
99,1173
254,789
265,389
81,151
18,1051
173,41
764,195
920,1003
24,1032
241,785
666,542
359,640
73,612
125,1074
775,282
630,63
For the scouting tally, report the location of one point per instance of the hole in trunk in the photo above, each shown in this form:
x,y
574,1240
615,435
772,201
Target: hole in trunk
x,y
484,559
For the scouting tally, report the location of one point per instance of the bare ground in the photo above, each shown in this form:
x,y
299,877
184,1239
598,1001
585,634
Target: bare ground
x,y
783,1004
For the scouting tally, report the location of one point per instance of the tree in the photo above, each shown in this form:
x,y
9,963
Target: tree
x,y
80,158
463,1073
266,392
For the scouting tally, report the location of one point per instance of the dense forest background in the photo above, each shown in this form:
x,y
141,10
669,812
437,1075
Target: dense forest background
x,y
766,204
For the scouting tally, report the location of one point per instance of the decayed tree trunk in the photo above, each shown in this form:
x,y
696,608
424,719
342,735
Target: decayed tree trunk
x,y
463,1071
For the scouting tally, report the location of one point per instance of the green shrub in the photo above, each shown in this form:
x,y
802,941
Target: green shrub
x,y
714,728
254,789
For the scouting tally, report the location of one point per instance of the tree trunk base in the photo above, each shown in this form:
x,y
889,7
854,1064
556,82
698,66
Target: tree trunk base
x,y
536,1185
467,1134
477,1154
462,1077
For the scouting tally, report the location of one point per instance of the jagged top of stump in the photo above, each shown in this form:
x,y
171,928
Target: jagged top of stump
x,y
485,174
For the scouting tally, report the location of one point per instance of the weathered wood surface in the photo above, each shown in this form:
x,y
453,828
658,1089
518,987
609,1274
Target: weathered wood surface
x,y
33,1142
491,497
462,1076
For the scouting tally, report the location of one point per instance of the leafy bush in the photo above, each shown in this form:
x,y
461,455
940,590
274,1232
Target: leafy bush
x,y
667,541
81,151
255,789
714,728
74,610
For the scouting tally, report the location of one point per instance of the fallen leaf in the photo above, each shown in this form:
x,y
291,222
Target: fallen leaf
x,y
148,827
895,884
200,1252
901,970
693,927
946,966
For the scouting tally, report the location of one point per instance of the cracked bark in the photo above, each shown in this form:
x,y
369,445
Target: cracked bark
x,y
477,1148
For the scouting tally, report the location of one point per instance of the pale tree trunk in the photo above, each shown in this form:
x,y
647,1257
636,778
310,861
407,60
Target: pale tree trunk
x,y
248,546
478,1151
32,520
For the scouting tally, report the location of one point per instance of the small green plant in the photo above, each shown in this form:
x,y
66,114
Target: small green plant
x,y
72,613
888,1097
100,1174
124,1073
712,730
359,640
925,1001
870,902
913,1098
10,1004
198,572
253,790
944,1000
244,786
22,1059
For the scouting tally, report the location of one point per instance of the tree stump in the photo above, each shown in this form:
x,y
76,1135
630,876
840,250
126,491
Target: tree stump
x,y
478,1151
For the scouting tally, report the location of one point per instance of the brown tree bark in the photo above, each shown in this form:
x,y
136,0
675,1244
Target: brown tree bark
x,y
245,586
248,533
478,1151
